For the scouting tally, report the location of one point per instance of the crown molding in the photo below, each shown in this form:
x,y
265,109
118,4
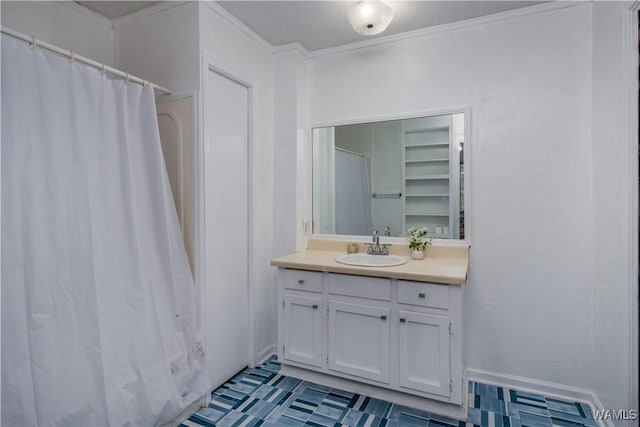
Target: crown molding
x,y
147,11
224,13
482,20
452,26
298,47
214,6
291,47
85,12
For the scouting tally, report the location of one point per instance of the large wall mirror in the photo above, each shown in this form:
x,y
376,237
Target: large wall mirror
x,y
390,176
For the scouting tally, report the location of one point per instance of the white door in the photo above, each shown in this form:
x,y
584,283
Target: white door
x,y
303,330
359,340
226,224
424,352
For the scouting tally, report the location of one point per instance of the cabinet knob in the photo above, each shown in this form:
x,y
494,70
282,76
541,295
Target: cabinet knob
x,y
422,295
314,306
383,317
403,320
300,281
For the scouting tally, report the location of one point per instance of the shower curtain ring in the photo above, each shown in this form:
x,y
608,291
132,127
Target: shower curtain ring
x,y
32,43
126,78
72,56
145,84
103,69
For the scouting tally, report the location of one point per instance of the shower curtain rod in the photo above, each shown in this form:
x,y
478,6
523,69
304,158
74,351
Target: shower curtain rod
x,y
350,152
73,57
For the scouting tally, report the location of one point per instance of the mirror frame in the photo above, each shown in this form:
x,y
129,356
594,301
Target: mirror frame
x,y
468,194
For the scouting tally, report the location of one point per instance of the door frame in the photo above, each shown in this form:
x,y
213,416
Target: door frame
x,y
631,62
210,63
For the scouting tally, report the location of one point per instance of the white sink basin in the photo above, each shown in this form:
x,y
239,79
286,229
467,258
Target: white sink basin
x,y
366,260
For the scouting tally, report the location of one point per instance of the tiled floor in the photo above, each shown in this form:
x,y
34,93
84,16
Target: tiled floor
x,y
262,397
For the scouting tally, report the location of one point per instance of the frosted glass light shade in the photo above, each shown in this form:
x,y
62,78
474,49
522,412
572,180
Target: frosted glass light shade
x,y
370,17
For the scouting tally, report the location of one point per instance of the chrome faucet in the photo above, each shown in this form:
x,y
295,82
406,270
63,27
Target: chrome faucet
x,y
387,231
375,248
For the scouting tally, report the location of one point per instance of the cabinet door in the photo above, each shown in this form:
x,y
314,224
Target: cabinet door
x,y
303,330
359,340
424,352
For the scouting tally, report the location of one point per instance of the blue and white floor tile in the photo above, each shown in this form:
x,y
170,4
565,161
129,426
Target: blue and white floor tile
x,y
263,397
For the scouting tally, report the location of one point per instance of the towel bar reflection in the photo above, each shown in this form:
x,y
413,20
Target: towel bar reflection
x,y
386,195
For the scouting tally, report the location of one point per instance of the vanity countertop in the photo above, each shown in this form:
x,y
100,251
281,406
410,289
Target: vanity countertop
x,y
447,263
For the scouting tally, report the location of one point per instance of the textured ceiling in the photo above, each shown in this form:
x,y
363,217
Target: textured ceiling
x,y
116,9
322,24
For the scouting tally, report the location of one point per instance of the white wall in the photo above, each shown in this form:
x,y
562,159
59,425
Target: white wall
x,y
285,85
531,294
162,47
250,60
67,26
291,167
615,228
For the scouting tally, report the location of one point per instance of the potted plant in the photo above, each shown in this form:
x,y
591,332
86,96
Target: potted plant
x,y
418,241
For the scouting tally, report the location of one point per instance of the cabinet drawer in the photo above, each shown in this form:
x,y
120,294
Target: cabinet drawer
x,y
360,286
423,294
303,280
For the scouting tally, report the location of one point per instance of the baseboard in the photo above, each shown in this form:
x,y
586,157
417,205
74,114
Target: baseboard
x,y
450,410
545,388
266,353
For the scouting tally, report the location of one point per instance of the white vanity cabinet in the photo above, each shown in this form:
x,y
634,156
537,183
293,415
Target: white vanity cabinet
x,y
393,339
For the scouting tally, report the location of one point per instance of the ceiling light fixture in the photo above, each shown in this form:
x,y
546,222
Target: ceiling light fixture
x,y
370,17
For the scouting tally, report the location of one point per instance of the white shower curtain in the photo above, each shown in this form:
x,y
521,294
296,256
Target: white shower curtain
x,y
353,195
99,307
